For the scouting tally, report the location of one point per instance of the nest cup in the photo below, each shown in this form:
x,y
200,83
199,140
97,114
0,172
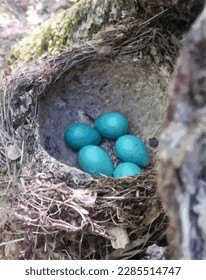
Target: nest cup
x,y
78,213
126,84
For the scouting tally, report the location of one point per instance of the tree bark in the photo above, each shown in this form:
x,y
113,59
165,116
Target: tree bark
x,y
182,174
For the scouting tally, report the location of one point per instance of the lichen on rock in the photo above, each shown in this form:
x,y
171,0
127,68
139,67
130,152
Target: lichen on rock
x,y
83,20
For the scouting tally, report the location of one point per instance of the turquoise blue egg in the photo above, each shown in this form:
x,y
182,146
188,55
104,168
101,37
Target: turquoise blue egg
x,y
130,148
79,135
95,161
126,169
112,125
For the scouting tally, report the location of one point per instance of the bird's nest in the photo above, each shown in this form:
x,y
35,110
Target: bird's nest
x,y
51,209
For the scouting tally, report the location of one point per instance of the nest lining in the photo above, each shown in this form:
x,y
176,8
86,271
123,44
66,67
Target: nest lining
x,y
127,84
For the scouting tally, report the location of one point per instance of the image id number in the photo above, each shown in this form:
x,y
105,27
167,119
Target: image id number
x,y
164,270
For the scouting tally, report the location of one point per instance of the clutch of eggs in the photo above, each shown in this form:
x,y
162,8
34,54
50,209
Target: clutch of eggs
x,y
96,161
79,135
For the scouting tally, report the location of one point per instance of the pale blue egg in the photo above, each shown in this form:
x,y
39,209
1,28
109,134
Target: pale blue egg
x,y
125,169
95,161
130,148
112,125
79,135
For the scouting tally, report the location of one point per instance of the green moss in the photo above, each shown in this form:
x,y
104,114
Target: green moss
x,y
55,32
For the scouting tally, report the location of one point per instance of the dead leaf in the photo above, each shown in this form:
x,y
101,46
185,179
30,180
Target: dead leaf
x,y
121,237
132,248
13,152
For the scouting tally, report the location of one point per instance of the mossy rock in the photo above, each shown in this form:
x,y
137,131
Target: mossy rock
x,y
80,22
88,17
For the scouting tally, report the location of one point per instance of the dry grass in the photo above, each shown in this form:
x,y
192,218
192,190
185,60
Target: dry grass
x,y
63,220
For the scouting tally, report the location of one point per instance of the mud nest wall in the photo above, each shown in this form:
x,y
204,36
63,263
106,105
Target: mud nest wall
x,y
126,84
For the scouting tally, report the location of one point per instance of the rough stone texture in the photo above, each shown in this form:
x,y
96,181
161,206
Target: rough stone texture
x,y
155,252
18,18
182,184
88,17
71,26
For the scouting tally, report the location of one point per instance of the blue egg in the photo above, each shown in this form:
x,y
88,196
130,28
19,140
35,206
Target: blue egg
x,y
126,169
112,125
95,161
130,148
79,135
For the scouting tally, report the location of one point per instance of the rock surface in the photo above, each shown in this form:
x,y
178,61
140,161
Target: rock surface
x,y
19,17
